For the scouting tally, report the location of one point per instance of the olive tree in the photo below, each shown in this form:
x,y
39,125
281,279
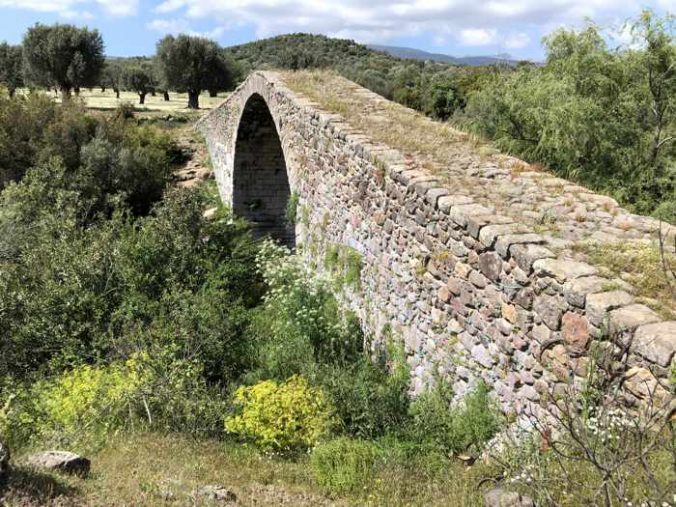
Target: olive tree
x,y
63,56
139,78
11,74
193,64
113,77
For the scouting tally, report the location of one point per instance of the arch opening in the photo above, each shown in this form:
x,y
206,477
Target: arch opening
x,y
261,190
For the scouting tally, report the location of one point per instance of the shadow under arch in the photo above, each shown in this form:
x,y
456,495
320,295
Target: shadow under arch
x,y
260,190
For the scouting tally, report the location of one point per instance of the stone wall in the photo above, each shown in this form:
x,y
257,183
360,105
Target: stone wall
x,y
474,294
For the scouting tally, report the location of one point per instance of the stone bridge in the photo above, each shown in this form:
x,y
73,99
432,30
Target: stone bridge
x,y
466,255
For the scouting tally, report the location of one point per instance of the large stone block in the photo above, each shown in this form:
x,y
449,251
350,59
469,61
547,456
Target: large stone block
x,y
656,342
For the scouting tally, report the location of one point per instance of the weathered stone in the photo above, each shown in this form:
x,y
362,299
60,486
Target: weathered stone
x,y
599,304
444,294
490,265
562,269
656,342
61,461
642,383
575,331
490,233
503,243
526,254
434,194
499,497
549,308
630,317
478,280
460,213
509,313
577,290
524,298
482,356
216,493
445,203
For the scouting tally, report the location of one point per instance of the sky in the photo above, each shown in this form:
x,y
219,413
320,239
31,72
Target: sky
x,y
455,27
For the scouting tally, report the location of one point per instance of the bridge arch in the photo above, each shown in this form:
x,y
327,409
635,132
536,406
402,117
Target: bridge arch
x,y
260,180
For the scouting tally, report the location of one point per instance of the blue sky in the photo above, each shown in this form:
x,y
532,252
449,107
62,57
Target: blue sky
x,y
457,27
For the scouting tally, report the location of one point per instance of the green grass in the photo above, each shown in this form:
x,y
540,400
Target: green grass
x,y
155,469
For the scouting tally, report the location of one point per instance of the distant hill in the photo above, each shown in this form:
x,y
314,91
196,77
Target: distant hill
x,y
419,54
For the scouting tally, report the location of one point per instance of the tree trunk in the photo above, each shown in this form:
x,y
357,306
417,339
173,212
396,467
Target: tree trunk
x,y
77,91
103,89
11,91
193,99
166,96
117,92
65,94
152,92
213,93
141,98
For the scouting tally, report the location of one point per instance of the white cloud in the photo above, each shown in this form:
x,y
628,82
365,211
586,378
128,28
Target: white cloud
x,y
477,36
472,22
71,8
176,26
517,40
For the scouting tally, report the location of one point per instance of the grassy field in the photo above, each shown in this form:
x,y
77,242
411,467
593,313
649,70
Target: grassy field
x,y
96,99
154,469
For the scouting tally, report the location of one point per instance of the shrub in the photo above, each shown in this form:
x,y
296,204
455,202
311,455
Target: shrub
x,y
465,427
81,405
281,416
369,400
343,465
300,323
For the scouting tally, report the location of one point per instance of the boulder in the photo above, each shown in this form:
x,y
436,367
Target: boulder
x,y
215,492
499,497
4,460
62,461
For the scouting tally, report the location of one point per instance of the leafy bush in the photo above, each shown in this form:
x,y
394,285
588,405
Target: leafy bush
x,y
121,285
300,323
343,465
83,406
281,416
370,400
454,429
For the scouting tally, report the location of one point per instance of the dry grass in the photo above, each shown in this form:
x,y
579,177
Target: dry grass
x,y
649,270
164,470
95,99
437,146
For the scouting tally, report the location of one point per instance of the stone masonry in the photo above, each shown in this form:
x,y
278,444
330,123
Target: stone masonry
x,y
473,292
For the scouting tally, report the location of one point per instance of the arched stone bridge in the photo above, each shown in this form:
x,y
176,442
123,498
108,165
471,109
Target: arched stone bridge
x,y
466,255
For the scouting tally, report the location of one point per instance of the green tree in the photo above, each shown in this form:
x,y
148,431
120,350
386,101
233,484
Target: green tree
x,y
192,65
139,78
63,56
11,74
113,77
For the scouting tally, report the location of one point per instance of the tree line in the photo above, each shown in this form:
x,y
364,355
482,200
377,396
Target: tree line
x,y
67,58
